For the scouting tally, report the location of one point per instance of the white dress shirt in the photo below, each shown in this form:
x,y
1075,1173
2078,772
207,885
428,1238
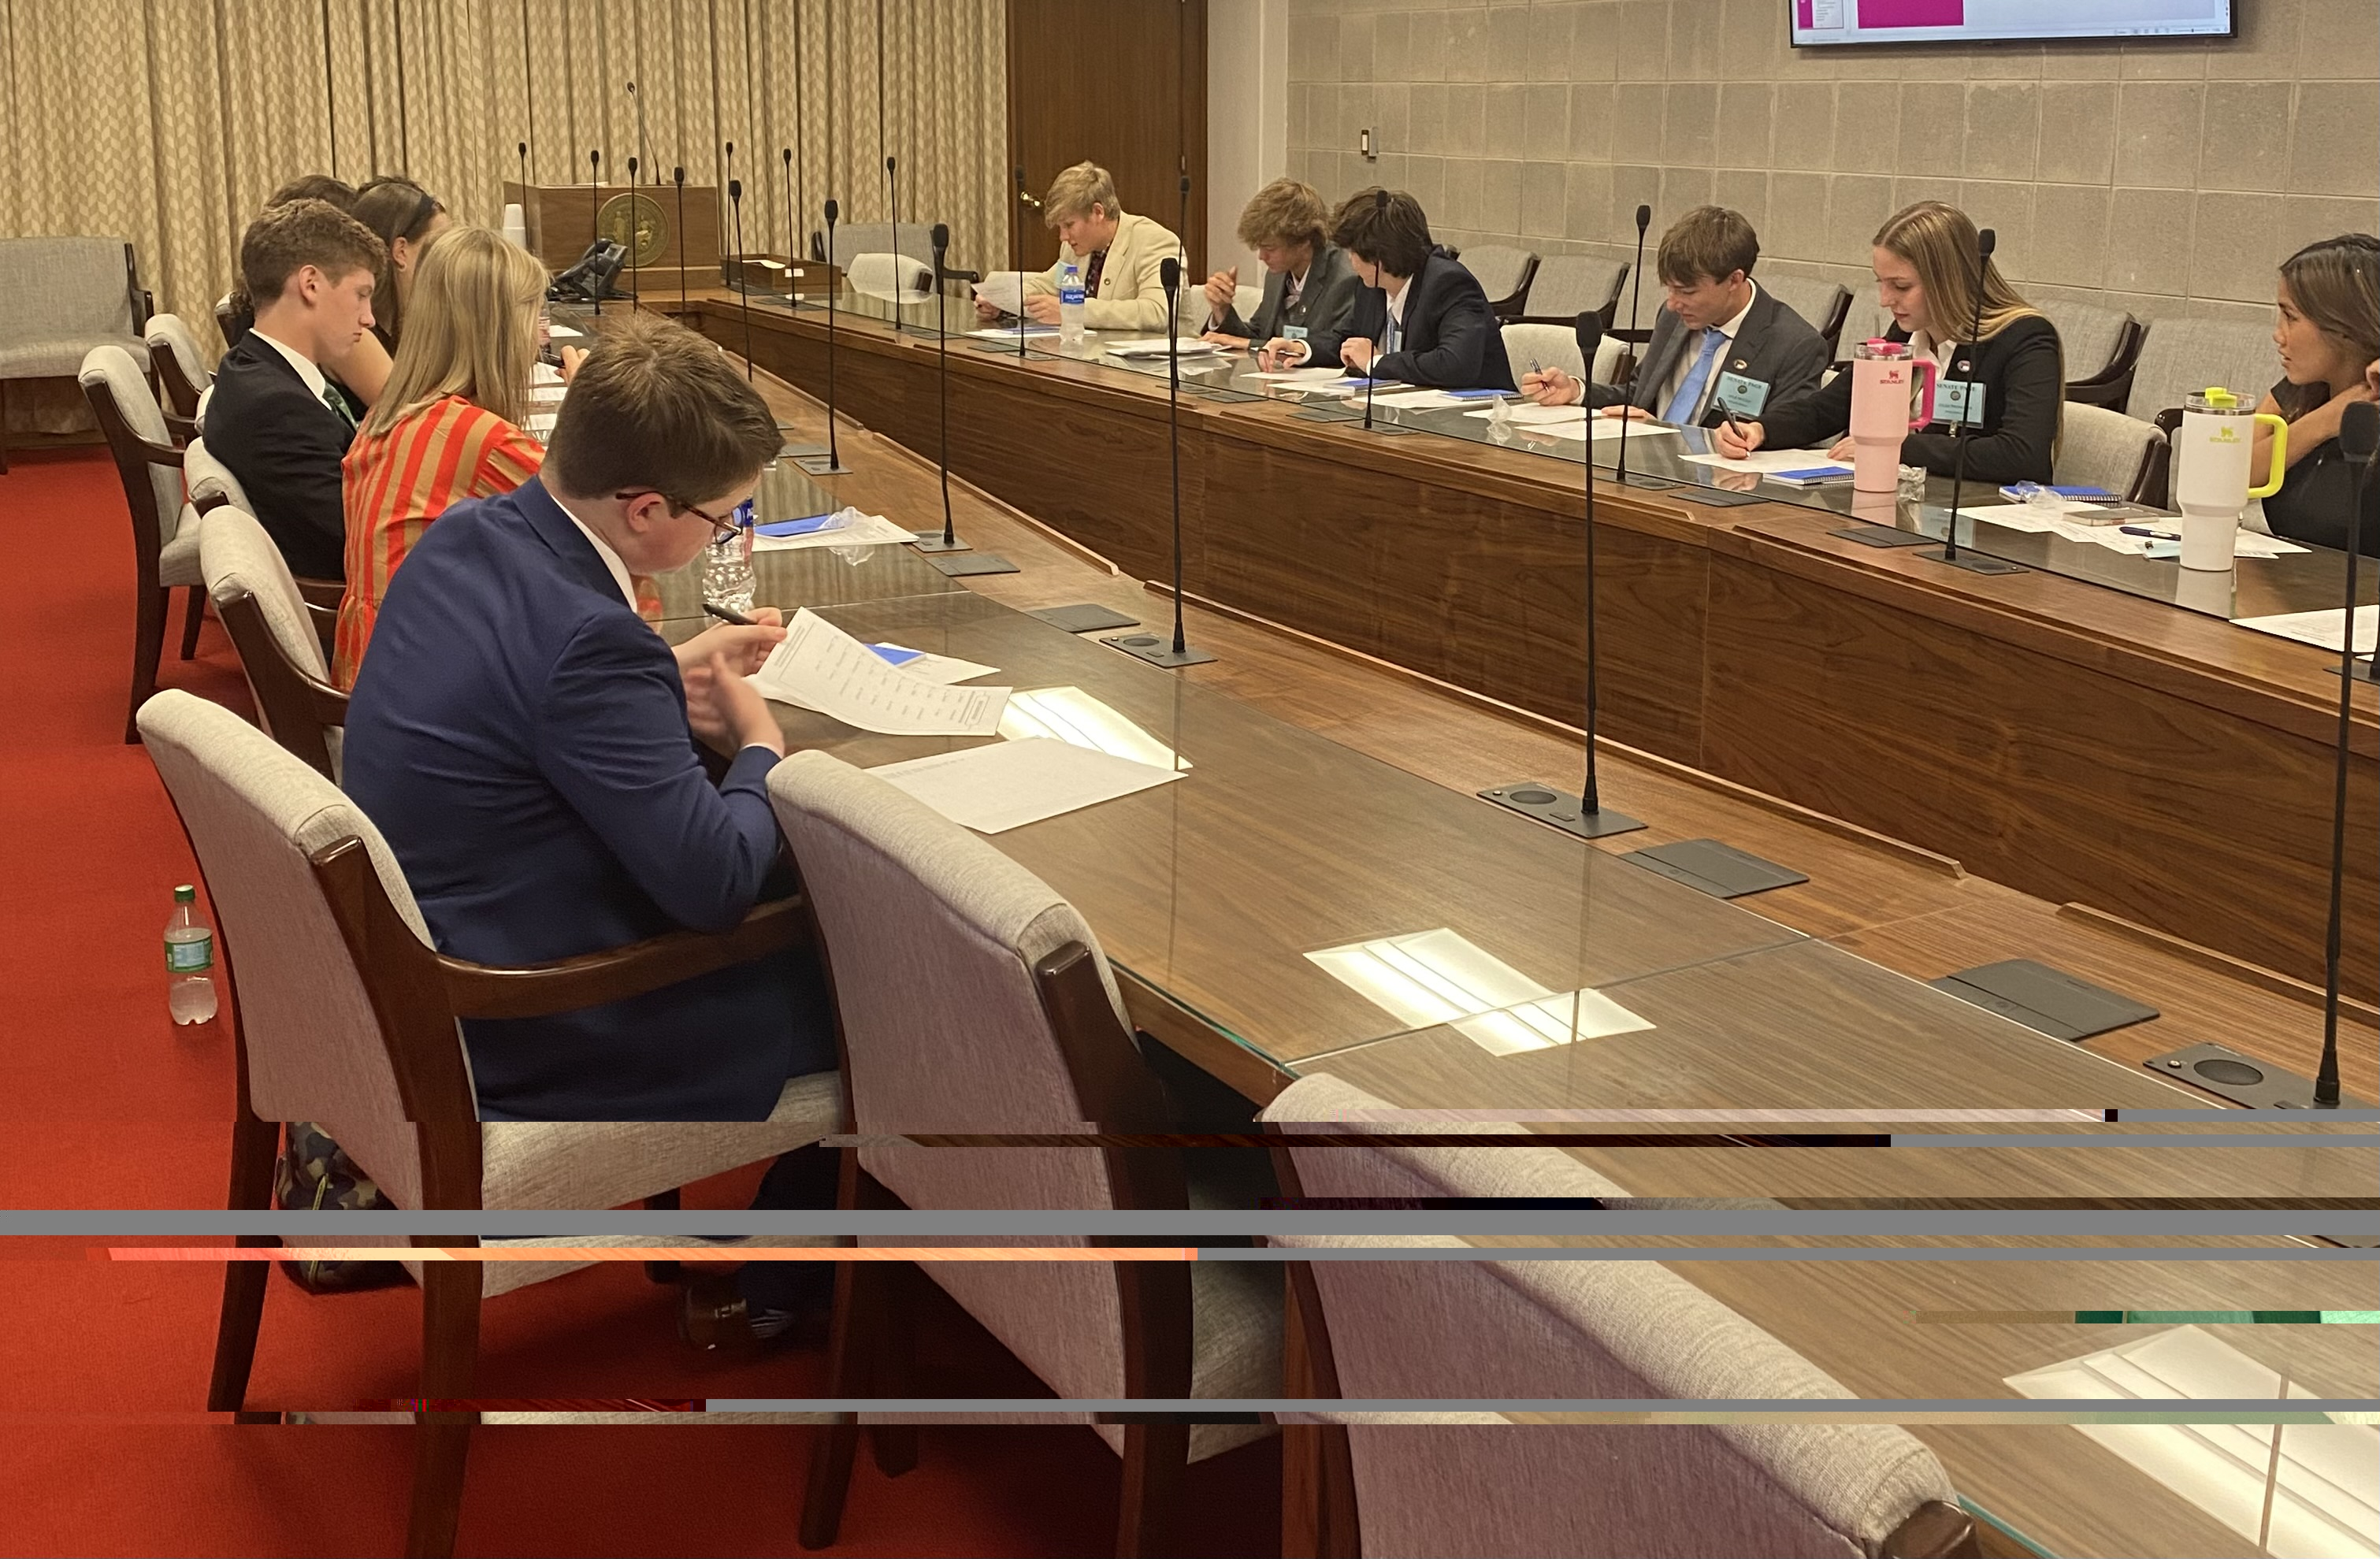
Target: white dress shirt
x,y
306,367
611,559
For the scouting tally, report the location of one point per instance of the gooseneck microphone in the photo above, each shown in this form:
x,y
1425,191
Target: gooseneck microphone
x,y
523,167
1635,301
1371,369
830,463
1584,815
677,177
643,150
742,272
1985,241
1016,255
792,254
636,285
2359,440
941,239
595,219
1147,646
892,193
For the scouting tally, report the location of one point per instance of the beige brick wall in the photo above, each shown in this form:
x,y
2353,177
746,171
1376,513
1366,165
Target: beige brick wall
x,y
2165,179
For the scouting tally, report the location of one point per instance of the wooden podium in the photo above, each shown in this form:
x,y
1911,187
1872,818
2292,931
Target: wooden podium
x,y
564,219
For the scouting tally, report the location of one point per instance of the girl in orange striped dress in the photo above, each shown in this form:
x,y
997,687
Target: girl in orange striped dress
x,y
449,425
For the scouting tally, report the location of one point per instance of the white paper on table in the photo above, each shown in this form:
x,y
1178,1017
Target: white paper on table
x,y
548,395
943,669
1303,376
2319,629
1603,429
1010,333
1155,347
1008,784
563,332
1004,290
1766,461
544,373
821,667
541,422
1420,400
2040,518
867,530
1070,714
1526,414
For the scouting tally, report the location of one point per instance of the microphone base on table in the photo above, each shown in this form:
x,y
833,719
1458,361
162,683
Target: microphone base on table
x,y
1157,649
931,541
2240,1078
1650,484
1974,561
1885,536
821,464
956,565
1559,809
1085,617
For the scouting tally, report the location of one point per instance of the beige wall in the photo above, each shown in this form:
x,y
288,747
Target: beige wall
x,y
2164,179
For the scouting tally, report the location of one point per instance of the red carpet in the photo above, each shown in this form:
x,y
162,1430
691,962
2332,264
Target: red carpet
x,y
104,1104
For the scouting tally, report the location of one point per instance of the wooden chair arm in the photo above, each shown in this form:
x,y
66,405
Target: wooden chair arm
x,y
326,630
1933,1531
616,973
182,428
323,592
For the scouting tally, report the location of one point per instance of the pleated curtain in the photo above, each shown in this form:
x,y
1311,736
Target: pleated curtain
x,y
168,122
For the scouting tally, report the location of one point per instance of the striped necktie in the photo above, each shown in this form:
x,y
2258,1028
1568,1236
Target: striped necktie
x,y
338,405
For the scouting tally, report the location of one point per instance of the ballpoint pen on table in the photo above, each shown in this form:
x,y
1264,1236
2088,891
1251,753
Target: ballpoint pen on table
x,y
2153,535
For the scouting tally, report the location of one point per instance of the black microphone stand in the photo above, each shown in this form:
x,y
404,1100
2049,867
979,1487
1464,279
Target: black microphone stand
x,y
1147,646
831,464
595,223
1371,368
2359,440
677,174
1636,306
1017,258
1973,562
1582,814
635,283
793,252
742,272
523,167
892,195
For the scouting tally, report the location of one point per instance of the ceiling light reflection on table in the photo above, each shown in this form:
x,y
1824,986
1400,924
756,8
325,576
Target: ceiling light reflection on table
x,y
1434,978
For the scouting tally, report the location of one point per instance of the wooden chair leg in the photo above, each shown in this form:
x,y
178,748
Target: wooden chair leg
x,y
147,644
662,1272
894,1446
252,1145
1156,1471
450,1349
4,427
194,611
850,1360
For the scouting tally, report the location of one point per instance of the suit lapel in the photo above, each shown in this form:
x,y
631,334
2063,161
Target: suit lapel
x,y
554,527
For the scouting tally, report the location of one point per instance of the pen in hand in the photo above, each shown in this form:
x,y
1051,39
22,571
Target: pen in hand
x,y
727,614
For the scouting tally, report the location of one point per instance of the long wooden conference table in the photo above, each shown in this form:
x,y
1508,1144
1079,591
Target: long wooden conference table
x,y
2070,739
1328,806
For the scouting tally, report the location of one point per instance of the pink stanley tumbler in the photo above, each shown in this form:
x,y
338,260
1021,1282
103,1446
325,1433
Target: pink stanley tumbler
x,y
1882,387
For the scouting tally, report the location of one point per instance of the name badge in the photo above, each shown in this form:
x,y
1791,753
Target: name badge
x,y
1293,332
1739,394
1959,402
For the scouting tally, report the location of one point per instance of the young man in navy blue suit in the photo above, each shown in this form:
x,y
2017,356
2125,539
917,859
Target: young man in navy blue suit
x,y
1420,317
527,743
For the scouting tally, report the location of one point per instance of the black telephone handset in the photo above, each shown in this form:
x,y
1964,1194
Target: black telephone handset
x,y
592,276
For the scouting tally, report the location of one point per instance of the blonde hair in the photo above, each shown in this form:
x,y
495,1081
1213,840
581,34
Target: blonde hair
x,y
1075,191
1287,211
471,332
1939,241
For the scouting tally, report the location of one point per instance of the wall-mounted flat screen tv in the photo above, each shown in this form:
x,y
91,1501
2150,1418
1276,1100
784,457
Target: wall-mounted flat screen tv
x,y
1819,23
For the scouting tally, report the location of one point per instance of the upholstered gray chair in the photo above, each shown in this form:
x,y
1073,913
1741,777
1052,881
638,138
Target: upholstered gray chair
x,y
165,554
181,368
2097,447
1247,299
347,1016
65,296
1556,346
2183,356
1823,305
210,481
2101,349
283,638
1589,1330
1567,286
916,240
1503,273
972,998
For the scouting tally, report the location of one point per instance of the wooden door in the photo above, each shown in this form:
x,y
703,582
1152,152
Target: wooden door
x,y
1122,83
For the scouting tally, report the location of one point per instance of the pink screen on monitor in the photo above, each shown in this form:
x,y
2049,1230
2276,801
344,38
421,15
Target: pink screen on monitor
x,y
1801,14
1913,13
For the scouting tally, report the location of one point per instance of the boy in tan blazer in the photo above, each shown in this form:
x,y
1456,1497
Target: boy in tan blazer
x,y
1117,252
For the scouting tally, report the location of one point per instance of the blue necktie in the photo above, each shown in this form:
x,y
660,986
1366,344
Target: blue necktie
x,y
1690,394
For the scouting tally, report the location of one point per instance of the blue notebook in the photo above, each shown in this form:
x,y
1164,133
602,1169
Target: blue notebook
x,y
805,527
1812,476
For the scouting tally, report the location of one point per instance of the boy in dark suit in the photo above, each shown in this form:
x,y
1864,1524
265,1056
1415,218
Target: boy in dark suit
x,y
1721,345
1420,318
276,422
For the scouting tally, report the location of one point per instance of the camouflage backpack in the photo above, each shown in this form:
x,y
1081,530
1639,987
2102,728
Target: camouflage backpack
x,y
315,1172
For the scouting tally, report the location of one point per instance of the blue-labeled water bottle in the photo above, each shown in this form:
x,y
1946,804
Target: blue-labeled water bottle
x,y
189,958
727,566
1070,306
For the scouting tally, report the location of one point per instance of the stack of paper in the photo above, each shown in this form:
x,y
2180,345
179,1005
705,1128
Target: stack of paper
x,y
1304,376
1006,784
1004,290
821,667
1419,400
865,530
1765,461
2320,628
1157,347
2041,519
943,669
1527,414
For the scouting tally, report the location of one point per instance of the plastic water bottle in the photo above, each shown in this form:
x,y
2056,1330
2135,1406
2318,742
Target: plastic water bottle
x,y
1070,306
190,953
727,566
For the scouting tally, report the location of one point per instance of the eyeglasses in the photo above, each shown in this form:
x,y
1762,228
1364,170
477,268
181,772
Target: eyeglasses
x,y
724,529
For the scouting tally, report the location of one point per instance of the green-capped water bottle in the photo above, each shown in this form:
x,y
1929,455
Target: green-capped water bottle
x,y
190,957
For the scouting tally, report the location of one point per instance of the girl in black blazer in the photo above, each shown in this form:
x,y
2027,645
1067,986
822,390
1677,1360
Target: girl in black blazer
x,y
2328,332
1924,261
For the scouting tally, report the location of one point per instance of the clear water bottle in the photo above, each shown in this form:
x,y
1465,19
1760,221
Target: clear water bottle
x,y
1070,306
727,566
190,953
